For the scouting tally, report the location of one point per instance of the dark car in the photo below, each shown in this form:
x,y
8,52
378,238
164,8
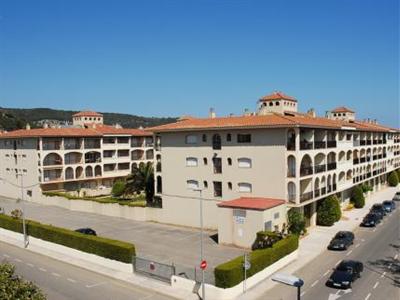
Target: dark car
x,y
371,220
378,208
396,196
88,231
345,274
389,205
341,241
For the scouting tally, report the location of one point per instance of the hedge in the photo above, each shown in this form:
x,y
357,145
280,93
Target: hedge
x,y
393,179
357,197
231,273
108,248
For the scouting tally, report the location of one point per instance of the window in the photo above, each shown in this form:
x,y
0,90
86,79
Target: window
x,y
217,161
268,226
204,138
270,104
244,162
205,161
192,184
216,141
228,137
277,103
244,138
230,185
276,215
191,139
191,162
205,184
29,193
229,161
348,137
244,187
217,188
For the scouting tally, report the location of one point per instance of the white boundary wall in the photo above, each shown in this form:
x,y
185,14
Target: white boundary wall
x,y
213,292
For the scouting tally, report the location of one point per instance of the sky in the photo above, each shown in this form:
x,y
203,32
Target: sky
x,y
181,57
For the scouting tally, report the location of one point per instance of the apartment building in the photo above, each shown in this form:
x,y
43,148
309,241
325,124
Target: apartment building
x,y
276,154
88,156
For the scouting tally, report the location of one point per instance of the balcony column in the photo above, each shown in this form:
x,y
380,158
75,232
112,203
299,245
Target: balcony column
x,y
313,219
297,140
62,144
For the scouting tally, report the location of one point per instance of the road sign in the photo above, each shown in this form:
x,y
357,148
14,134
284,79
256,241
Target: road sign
x,y
203,265
247,265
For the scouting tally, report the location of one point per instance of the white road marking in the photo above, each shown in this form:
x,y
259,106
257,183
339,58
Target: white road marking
x,y
96,284
314,283
56,274
17,259
5,255
71,280
396,256
31,265
376,284
358,245
348,253
374,230
337,263
383,274
302,294
43,269
369,295
326,273
362,240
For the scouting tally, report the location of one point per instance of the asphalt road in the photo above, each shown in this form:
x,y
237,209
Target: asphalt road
x,y
378,248
61,281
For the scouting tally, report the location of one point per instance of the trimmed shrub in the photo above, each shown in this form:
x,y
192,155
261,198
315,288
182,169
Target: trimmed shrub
x,y
297,224
118,188
398,174
108,248
357,197
366,188
328,211
265,239
393,179
231,273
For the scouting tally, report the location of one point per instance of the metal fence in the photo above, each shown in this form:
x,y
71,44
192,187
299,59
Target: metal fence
x,y
154,269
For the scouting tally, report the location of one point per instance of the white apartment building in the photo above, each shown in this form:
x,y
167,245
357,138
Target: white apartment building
x,y
88,156
274,154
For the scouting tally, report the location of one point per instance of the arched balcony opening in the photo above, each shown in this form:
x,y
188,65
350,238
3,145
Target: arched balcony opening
x,y
291,190
342,157
73,158
363,158
306,166
159,185
331,165
89,171
216,142
52,159
92,157
291,140
97,171
317,191
356,158
323,185
291,166
319,163
134,167
69,173
349,175
334,182
349,155
158,163
137,154
79,173
342,177
150,154
329,183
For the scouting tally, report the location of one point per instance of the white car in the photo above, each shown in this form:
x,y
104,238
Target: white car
x,y
396,196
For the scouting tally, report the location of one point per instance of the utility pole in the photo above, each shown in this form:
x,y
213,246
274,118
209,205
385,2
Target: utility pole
x,y
26,242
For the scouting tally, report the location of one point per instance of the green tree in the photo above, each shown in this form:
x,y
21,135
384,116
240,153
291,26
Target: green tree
x,y
328,211
393,179
141,180
118,188
297,223
14,287
357,197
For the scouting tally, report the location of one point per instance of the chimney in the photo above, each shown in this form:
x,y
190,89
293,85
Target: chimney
x,y
28,127
311,112
211,113
247,112
117,125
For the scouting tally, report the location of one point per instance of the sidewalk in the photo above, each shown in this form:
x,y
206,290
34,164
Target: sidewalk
x,y
318,238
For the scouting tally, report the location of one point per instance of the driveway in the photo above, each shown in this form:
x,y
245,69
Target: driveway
x,y
163,243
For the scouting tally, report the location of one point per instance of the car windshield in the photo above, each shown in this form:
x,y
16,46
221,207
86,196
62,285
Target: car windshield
x,y
344,268
387,203
340,235
377,206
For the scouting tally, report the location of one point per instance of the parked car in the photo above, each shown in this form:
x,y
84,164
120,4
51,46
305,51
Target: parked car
x,y
88,231
341,241
371,220
345,274
389,205
378,208
396,196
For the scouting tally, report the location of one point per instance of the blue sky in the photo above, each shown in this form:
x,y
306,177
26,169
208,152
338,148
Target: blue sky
x,y
169,58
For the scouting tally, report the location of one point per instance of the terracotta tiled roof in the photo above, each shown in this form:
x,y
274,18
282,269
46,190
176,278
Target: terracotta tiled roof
x,y
277,96
87,114
255,203
97,131
342,109
264,121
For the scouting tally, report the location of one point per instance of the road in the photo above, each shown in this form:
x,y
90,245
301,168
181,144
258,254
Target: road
x,y
61,281
378,248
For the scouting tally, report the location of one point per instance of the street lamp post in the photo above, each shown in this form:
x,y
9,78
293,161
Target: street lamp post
x,y
201,240
289,280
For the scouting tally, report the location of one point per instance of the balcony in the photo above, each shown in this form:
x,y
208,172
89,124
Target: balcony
x,y
363,142
331,144
306,196
316,193
320,168
369,142
362,160
306,145
158,167
304,171
323,191
291,197
319,145
331,166
356,161
51,146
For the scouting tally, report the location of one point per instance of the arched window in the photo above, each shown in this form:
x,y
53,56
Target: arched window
x,y
291,189
216,140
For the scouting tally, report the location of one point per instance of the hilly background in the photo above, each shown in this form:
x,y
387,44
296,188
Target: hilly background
x,y
17,118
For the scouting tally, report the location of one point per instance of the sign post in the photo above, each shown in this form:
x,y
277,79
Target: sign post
x,y
246,266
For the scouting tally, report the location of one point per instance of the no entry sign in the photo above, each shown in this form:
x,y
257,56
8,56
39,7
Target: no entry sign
x,y
203,265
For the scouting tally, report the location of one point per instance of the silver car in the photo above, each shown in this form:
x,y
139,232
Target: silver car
x,y
396,196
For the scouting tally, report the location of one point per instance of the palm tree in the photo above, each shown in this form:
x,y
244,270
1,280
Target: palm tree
x,y
141,179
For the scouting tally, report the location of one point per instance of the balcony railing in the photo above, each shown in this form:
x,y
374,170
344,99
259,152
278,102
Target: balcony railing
x,y
306,145
320,168
319,145
331,166
369,142
316,193
291,172
356,161
291,145
331,144
292,197
323,191
306,196
362,160
304,171
363,142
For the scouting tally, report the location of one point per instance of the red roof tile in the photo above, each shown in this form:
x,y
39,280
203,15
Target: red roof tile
x,y
277,96
342,109
255,203
87,114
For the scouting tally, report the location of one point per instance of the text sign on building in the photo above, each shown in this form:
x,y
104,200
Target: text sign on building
x,y
239,215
